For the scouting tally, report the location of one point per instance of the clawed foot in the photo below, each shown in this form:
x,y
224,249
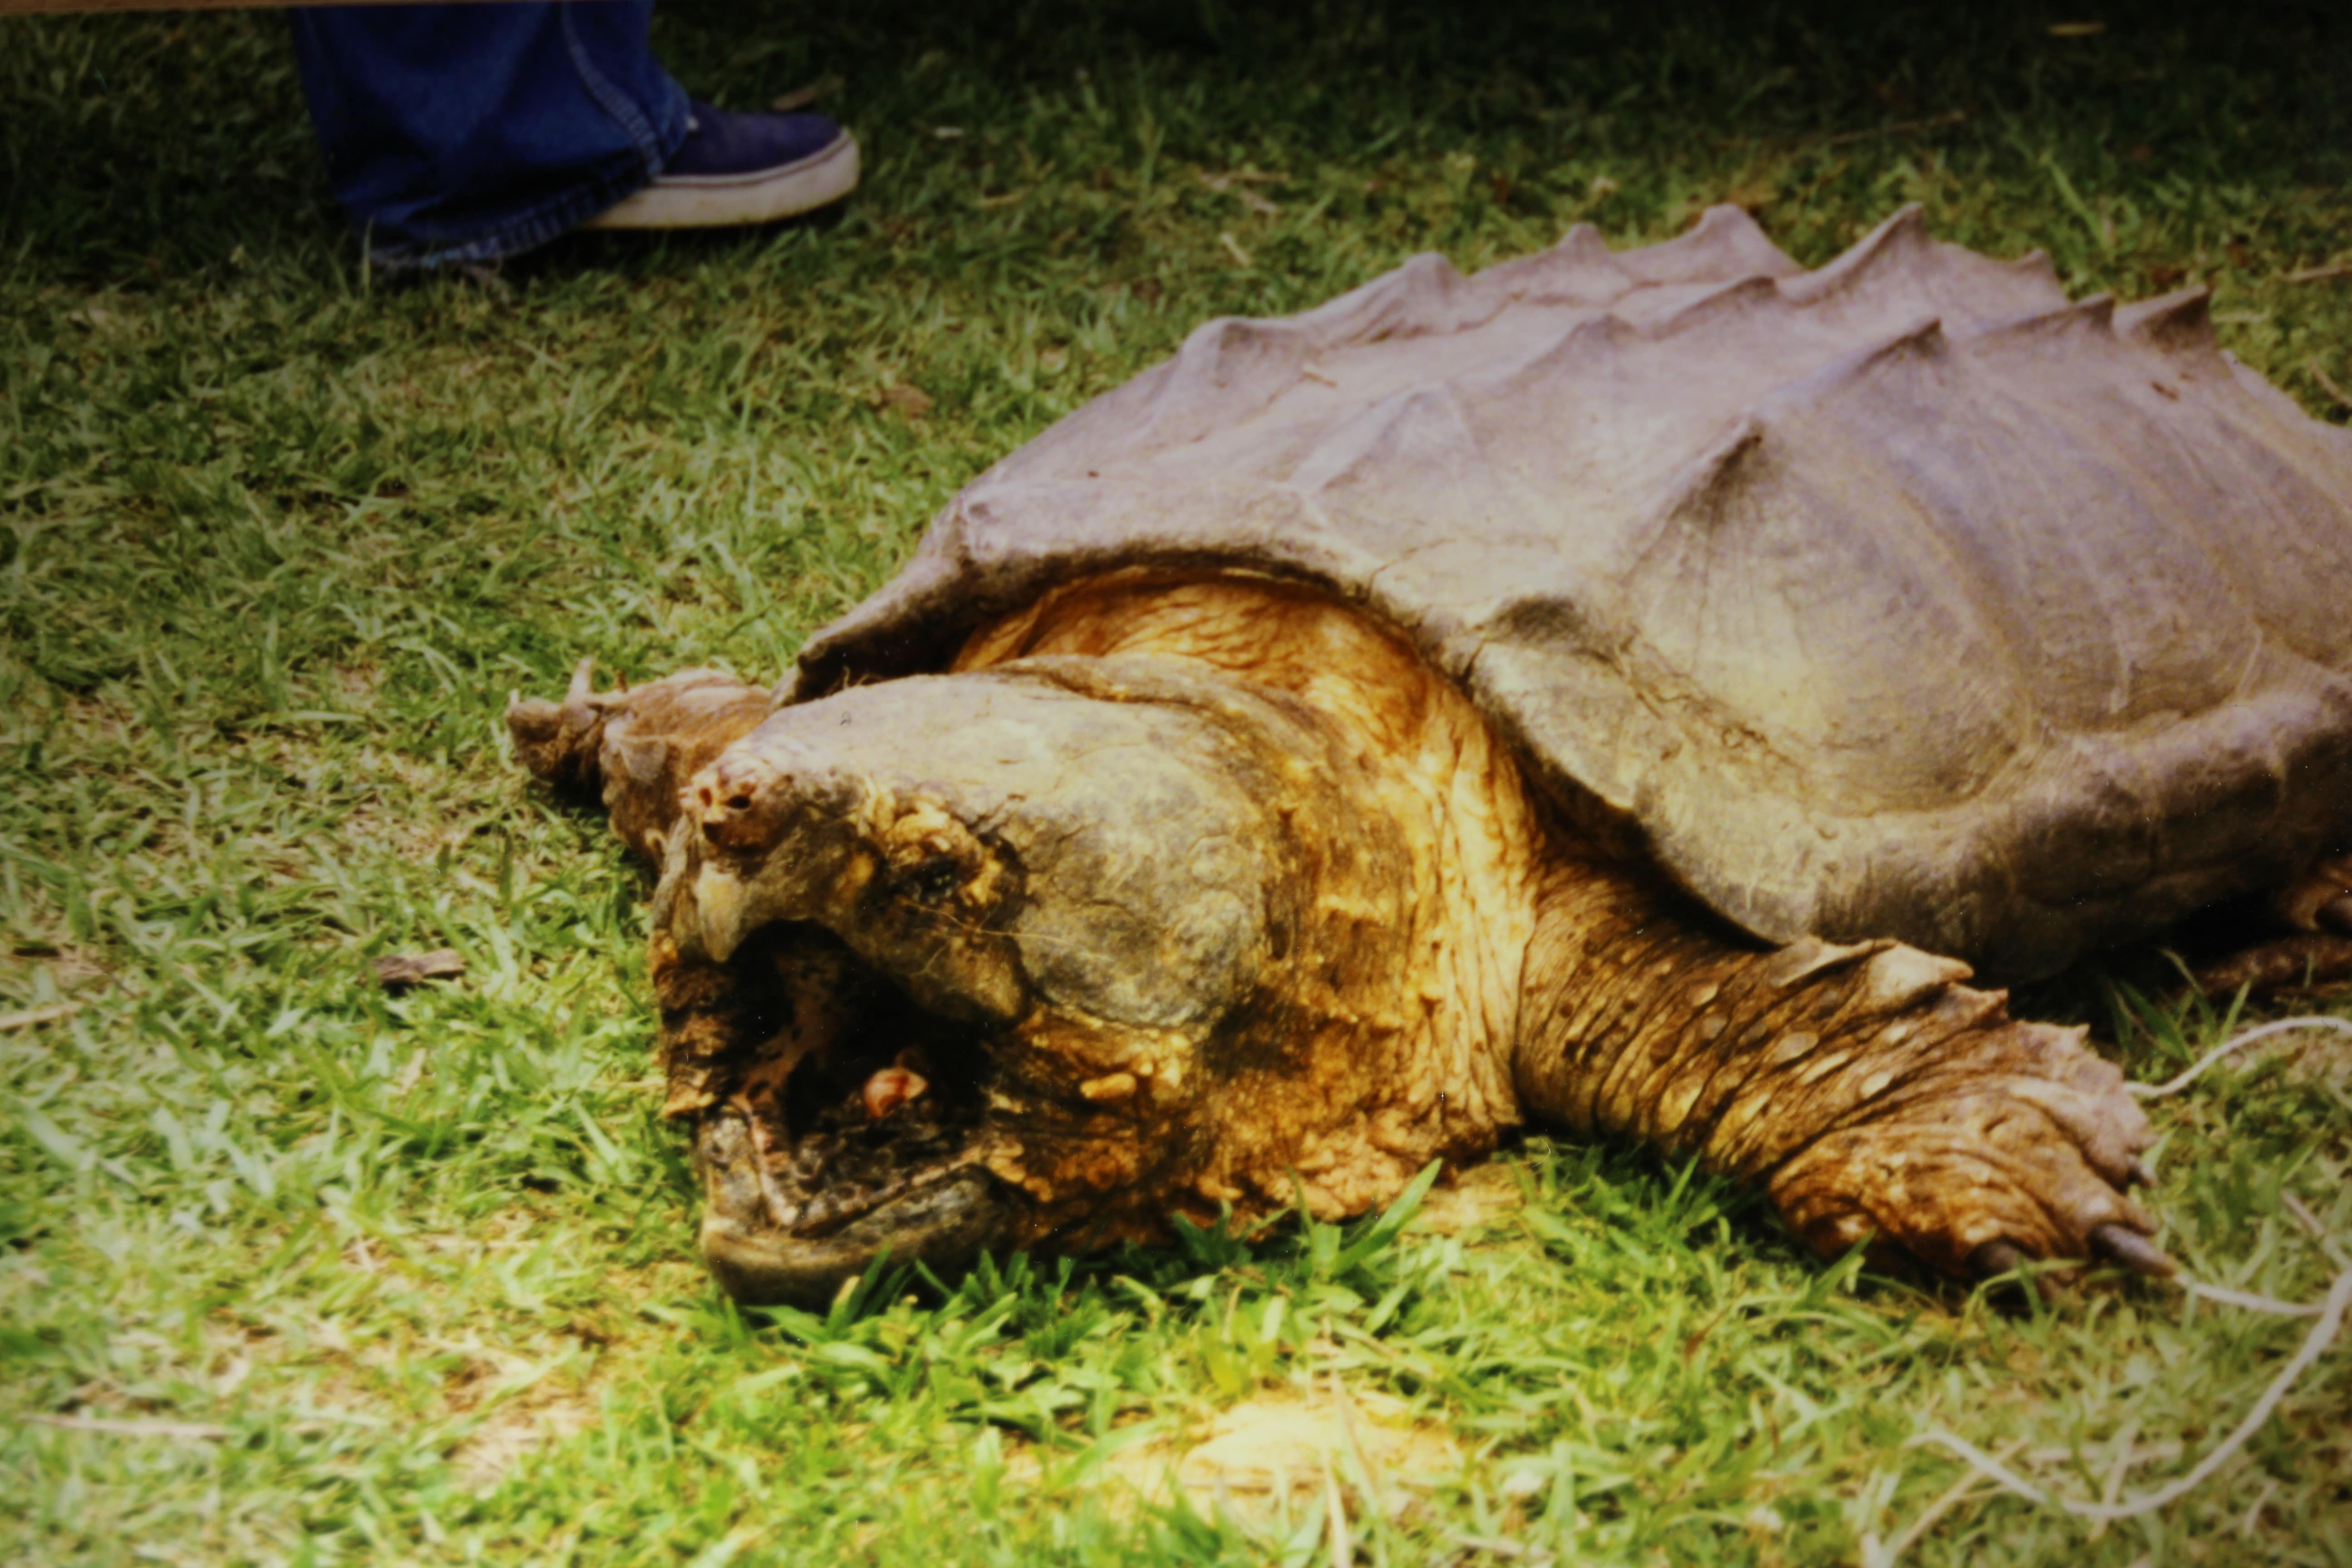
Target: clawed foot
x,y
2019,1145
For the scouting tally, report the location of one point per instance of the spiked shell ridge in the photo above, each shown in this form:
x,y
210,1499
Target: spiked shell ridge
x,y
1903,597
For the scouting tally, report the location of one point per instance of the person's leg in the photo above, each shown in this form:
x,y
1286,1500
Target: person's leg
x,y
463,133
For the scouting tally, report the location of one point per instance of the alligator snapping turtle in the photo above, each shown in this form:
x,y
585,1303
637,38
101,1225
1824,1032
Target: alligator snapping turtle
x,y
1623,690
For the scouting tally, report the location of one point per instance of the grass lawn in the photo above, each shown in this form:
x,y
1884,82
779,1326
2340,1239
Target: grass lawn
x,y
292,1271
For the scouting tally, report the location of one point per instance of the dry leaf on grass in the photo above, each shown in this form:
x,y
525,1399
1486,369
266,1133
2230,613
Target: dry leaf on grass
x,y
399,970
199,1431
31,1016
911,401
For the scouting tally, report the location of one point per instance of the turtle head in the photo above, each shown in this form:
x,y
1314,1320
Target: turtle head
x,y
996,960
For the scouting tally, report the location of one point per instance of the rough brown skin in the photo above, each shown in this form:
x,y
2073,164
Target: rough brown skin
x,y
1875,1094
1405,1006
1439,955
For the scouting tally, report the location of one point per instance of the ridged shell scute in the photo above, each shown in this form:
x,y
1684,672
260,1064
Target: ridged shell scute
x,y
1902,597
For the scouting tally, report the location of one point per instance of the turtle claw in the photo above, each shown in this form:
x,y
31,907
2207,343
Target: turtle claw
x,y
2139,1174
2110,1243
2004,1271
1995,1258
2122,1245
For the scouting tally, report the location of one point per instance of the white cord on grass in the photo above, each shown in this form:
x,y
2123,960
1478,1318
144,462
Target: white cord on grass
x,y
2314,1345
2329,1310
2221,1293
2249,1300
2175,1085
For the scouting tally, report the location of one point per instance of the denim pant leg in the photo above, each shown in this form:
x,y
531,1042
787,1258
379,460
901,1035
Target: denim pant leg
x,y
463,133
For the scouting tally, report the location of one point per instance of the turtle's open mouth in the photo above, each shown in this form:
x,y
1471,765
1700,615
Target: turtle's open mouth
x,y
849,1127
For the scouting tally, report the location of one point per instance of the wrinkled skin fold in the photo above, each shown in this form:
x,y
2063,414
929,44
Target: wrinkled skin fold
x,y
1174,894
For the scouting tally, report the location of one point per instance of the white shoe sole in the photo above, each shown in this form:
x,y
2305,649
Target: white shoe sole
x,y
716,201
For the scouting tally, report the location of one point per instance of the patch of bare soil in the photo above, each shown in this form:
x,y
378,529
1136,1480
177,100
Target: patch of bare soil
x,y
1266,1458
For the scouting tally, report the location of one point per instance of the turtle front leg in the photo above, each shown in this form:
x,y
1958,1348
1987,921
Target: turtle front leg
x,y
633,750
1874,1094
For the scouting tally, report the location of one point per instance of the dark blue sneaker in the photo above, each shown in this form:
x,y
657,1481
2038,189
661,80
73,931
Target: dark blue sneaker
x,y
742,168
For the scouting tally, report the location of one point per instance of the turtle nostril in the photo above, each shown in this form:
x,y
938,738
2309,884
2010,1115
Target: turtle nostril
x,y
739,803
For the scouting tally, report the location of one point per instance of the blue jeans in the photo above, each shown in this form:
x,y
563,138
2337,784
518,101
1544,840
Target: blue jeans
x,y
463,133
